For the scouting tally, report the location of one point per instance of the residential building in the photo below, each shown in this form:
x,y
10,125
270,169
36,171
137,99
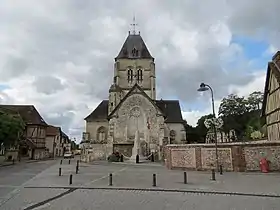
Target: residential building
x,y
271,102
33,141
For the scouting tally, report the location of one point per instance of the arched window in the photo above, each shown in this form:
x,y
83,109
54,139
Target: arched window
x,y
172,136
139,75
101,134
129,75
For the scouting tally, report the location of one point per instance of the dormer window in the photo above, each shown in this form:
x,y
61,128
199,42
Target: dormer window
x,y
135,52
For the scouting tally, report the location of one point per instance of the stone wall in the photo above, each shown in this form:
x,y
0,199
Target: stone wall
x,y
97,152
233,156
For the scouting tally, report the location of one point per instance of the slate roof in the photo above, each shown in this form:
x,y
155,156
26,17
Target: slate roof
x,y
29,113
170,108
271,68
131,42
52,130
100,112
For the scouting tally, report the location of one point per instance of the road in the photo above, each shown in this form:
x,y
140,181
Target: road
x,y
14,176
37,186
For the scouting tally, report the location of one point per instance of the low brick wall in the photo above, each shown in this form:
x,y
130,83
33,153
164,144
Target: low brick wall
x,y
233,156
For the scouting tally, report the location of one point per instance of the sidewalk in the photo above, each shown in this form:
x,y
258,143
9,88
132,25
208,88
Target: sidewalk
x,y
130,176
10,163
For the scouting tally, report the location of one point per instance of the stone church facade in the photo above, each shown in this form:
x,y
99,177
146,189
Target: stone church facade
x,y
132,106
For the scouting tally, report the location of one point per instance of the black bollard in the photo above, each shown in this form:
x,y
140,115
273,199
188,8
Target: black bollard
x,y
69,161
154,180
185,177
77,169
61,162
110,179
152,158
70,179
137,158
213,175
59,172
221,169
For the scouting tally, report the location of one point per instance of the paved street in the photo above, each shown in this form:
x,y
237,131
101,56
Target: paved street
x,y
14,176
132,188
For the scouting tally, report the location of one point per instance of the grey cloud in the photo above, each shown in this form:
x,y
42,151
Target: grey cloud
x,y
90,33
48,84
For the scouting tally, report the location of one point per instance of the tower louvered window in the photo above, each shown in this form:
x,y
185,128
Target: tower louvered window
x,y
130,75
139,75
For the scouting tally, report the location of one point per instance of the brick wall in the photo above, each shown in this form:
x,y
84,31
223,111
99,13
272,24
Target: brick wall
x,y
233,156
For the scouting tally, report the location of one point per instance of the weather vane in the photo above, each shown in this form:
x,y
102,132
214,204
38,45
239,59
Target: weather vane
x,y
134,24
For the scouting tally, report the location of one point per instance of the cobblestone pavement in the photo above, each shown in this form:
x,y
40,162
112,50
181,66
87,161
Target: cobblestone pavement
x,y
252,190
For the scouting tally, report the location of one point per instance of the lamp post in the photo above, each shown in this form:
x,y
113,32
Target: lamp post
x,y
204,87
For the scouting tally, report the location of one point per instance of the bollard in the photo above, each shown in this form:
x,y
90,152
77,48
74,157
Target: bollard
x,y
152,158
213,175
110,179
77,169
137,158
61,162
59,172
185,177
221,169
69,161
154,180
70,179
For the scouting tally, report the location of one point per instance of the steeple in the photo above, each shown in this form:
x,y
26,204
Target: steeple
x,y
134,47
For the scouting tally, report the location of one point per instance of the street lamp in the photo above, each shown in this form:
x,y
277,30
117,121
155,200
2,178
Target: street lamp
x,y
204,87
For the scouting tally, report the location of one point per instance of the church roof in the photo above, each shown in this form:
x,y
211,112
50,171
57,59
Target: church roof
x,y
170,108
100,112
134,47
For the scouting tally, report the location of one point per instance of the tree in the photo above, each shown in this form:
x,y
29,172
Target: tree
x,y
74,146
201,129
241,114
255,100
11,129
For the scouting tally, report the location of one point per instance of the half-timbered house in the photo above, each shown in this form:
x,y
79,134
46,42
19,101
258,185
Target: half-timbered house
x,y
271,102
34,138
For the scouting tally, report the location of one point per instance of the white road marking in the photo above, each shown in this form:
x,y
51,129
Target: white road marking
x,y
106,176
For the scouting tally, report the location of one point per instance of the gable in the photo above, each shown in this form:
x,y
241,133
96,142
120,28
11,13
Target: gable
x,y
272,79
136,89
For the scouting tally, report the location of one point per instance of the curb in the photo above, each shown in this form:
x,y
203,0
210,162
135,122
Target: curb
x,y
22,162
205,192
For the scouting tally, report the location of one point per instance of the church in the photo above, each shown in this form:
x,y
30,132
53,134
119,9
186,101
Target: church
x,y
132,107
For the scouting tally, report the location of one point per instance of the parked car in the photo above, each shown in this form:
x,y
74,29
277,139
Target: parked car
x,y
68,155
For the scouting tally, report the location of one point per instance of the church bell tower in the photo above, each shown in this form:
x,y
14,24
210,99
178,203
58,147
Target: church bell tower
x,y
134,64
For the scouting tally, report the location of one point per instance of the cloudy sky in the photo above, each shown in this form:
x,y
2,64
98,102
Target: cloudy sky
x,y
59,55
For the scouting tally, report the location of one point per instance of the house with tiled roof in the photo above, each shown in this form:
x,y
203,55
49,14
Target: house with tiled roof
x,y
33,141
57,142
132,109
271,102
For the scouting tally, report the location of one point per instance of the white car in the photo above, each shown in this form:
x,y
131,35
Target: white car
x,y
68,155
